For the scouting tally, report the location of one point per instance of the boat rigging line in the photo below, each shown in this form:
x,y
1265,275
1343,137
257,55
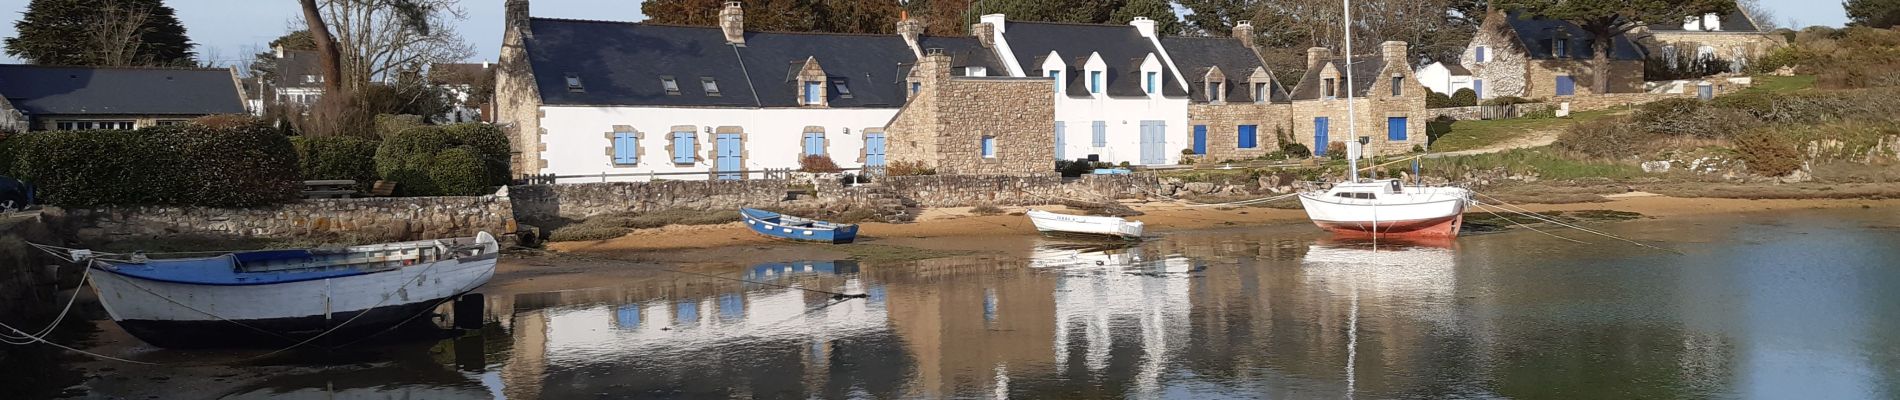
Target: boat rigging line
x,y
834,295
1487,209
1521,211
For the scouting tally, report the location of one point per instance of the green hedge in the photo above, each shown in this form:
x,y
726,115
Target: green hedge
x,y
185,165
337,158
438,160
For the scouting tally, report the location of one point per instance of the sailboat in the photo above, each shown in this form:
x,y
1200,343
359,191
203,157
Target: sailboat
x,y
1382,208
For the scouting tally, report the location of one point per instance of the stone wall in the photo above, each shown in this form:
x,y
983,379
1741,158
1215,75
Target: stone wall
x,y
539,204
1475,113
1223,123
363,220
1616,100
945,125
1503,69
971,190
1541,77
542,204
1728,45
517,100
26,280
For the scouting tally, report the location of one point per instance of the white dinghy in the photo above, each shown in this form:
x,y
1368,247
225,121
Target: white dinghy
x,y
1048,222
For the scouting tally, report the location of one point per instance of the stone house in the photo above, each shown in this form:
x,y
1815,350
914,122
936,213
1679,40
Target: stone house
x,y
652,101
461,81
296,78
1444,78
1734,37
1237,107
1387,101
1118,96
974,125
1514,54
45,98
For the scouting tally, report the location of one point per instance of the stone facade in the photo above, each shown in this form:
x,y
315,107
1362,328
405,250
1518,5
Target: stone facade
x,y
1273,122
1733,46
1375,111
1507,70
1541,78
367,220
517,99
946,123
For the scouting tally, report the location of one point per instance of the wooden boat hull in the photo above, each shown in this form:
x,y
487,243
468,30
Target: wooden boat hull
x,y
173,314
777,226
1062,224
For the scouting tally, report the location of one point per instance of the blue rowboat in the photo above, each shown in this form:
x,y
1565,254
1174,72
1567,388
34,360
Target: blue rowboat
x,y
794,228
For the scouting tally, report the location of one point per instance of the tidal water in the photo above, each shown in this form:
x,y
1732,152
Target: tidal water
x,y
1769,306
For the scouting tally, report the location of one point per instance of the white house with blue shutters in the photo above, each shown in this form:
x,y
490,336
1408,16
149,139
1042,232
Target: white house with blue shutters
x,y
593,101
1118,96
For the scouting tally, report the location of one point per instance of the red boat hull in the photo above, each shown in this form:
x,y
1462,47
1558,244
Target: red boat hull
x,y
1425,228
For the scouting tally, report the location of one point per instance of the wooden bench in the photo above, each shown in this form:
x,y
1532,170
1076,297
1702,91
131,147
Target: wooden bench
x,y
329,189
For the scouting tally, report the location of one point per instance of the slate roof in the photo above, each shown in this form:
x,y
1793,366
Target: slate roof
x,y
293,66
1456,69
621,63
1737,21
1197,55
965,52
1535,33
1366,70
1121,46
119,90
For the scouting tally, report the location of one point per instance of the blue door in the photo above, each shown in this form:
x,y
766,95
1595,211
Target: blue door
x,y
1395,129
1154,143
874,149
1477,87
1566,86
1061,142
730,148
1200,139
1319,136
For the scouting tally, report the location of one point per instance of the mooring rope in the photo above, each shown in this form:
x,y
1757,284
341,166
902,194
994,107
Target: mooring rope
x,y
28,338
1521,211
1483,207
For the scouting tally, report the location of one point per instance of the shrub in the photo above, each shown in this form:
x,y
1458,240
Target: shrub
x,y
226,121
909,168
337,157
818,163
1755,104
185,165
1606,138
1464,98
1779,58
390,124
1336,150
458,171
1295,149
1767,153
1071,169
1438,100
986,209
409,157
1508,101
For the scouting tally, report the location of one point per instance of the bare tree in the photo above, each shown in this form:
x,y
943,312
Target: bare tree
x,y
117,33
1763,16
378,38
327,52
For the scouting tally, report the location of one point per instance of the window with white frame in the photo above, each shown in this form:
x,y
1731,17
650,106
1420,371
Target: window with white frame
x,y
1095,82
1057,75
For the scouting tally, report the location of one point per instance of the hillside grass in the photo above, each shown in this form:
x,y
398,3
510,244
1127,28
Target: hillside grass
x,y
1781,84
1545,162
1471,135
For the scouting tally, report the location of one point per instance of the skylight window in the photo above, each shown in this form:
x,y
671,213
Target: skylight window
x,y
574,83
672,85
843,90
711,86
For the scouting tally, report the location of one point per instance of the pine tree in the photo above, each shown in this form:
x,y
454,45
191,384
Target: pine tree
x,y
68,32
1166,23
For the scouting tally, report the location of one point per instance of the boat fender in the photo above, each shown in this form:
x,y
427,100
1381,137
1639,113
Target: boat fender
x,y
468,311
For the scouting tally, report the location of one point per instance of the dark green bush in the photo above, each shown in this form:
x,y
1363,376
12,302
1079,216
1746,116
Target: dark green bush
x,y
391,124
186,165
459,171
1438,100
1755,104
1071,169
1464,98
1767,153
1508,100
409,159
337,157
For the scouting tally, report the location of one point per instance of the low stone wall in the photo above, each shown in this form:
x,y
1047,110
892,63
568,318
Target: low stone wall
x,y
972,190
372,219
537,204
1615,100
1475,113
541,203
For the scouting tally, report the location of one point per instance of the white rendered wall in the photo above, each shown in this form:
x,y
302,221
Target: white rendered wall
x,y
1124,116
578,142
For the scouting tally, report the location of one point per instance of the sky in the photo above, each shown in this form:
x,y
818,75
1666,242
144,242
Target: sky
x,y
231,30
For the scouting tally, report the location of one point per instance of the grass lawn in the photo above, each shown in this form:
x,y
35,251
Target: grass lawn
x,y
1542,160
1467,135
1781,84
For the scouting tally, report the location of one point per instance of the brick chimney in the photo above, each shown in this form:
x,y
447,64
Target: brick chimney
x,y
732,20
515,15
909,29
1395,53
1316,56
1244,31
985,33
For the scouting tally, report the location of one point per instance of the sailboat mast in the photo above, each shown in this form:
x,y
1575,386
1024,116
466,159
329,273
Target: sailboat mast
x,y
1352,115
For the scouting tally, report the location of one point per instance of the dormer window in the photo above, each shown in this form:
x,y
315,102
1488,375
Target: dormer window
x,y
1154,79
1329,88
814,93
976,71
711,86
1561,47
1057,75
671,85
1095,82
1398,85
574,83
1260,93
844,92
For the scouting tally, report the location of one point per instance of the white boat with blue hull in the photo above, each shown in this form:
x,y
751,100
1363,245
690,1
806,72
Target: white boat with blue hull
x,y
283,297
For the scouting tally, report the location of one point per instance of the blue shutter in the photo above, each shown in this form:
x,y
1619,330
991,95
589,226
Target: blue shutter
x,y
625,149
1057,75
1249,136
1095,81
1319,136
686,313
1477,87
1480,53
627,316
814,143
1151,82
683,147
1060,141
989,146
1200,139
1100,130
1566,86
812,90
1395,129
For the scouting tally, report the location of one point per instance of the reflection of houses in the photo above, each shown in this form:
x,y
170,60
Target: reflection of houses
x,y
1734,37
85,98
970,322
1125,293
1514,54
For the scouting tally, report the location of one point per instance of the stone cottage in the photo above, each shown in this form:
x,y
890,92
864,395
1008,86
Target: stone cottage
x,y
1734,37
1514,54
1388,102
48,98
974,125
1237,108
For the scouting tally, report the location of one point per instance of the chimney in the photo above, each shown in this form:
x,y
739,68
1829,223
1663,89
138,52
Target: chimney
x,y
1395,53
1316,56
1243,30
997,21
1144,25
279,49
909,29
985,34
516,15
732,20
